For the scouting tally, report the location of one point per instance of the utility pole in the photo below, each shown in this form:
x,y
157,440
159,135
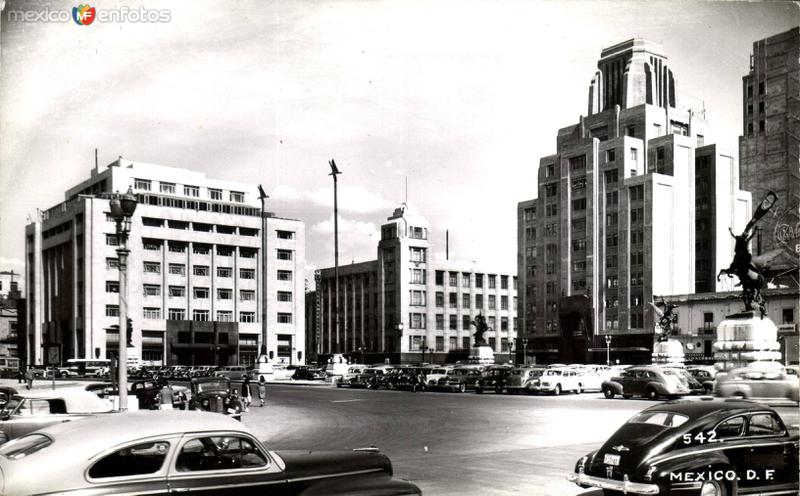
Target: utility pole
x,y
263,197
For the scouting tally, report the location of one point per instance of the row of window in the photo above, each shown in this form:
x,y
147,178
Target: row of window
x,y
188,190
419,321
198,270
154,313
418,343
467,277
466,300
198,292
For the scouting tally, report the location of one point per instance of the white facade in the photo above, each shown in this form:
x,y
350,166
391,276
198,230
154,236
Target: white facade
x,y
195,256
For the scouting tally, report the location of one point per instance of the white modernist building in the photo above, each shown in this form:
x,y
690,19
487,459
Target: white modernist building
x,y
195,273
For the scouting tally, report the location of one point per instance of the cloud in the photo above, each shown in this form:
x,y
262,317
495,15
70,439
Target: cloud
x,y
346,226
284,192
13,264
352,199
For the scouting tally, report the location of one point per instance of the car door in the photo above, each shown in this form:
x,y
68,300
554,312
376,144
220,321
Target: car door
x,y
224,463
631,380
764,461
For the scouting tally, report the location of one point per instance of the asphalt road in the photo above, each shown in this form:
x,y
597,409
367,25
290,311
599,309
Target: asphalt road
x,y
450,443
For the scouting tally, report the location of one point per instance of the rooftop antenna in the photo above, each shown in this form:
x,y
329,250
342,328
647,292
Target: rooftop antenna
x,y
447,244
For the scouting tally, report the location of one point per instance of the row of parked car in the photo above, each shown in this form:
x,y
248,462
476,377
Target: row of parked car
x,y
650,381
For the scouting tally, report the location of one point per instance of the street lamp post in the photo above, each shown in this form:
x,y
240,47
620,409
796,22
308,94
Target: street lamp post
x,y
524,351
263,197
608,350
122,208
424,347
399,328
335,172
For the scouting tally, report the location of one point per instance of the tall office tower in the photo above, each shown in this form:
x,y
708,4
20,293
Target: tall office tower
x,y
407,306
769,150
633,205
194,272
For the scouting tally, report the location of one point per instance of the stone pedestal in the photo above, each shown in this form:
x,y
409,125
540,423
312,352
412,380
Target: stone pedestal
x,y
482,354
745,338
668,353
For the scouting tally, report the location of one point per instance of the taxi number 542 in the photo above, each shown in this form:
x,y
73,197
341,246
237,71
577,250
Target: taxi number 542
x,y
700,437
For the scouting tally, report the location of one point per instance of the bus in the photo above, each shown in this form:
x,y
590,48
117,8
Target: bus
x,y
88,367
9,366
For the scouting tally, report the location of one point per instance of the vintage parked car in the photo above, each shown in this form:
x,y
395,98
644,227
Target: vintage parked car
x,y
493,379
648,381
349,374
706,447
557,380
688,380
521,379
214,394
370,378
590,379
433,374
308,373
704,375
458,379
757,383
145,391
28,411
411,378
176,452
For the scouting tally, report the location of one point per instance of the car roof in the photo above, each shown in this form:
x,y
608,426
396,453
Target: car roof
x,y
103,431
77,399
695,409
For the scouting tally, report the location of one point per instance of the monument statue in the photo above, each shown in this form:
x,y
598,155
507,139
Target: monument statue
x,y
480,329
742,266
666,318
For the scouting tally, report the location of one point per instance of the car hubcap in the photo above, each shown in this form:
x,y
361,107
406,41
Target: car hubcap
x,y
710,489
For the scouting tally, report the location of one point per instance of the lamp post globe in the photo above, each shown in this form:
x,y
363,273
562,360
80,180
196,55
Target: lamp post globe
x,y
128,203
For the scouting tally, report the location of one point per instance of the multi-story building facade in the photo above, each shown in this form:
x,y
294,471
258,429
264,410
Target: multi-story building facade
x,y
408,307
769,149
633,205
194,272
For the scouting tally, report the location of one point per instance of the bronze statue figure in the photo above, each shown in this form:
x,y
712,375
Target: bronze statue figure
x,y
742,265
480,329
666,317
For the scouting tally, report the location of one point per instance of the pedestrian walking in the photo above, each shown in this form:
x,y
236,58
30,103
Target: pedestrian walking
x,y
262,390
29,378
166,397
246,393
20,375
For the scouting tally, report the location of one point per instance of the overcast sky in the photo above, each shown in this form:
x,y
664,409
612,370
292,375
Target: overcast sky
x,y
460,98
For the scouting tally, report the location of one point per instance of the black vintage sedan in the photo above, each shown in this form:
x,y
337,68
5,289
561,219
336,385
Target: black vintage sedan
x,y
168,452
215,394
707,447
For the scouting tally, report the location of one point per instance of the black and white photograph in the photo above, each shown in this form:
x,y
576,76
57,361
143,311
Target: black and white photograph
x,y
394,248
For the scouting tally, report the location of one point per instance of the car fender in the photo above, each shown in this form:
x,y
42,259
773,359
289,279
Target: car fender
x,y
659,387
691,463
375,485
614,385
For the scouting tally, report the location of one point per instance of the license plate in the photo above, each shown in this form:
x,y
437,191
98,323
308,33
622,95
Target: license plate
x,y
610,459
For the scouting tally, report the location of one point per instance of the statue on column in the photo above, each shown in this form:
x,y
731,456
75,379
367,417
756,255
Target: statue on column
x,y
743,266
480,329
666,318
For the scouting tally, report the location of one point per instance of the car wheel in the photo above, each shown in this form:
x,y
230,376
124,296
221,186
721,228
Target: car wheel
x,y
713,488
63,375
478,390
652,394
389,385
608,393
557,390
368,386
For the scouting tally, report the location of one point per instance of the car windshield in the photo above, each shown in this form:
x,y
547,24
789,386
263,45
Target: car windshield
x,y
212,386
24,446
664,419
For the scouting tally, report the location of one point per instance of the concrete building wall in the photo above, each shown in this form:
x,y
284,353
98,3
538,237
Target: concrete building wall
x,y
769,148
195,254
